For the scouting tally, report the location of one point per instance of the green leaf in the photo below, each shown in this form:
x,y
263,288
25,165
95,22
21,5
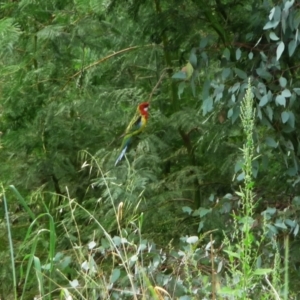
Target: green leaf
x,y
285,116
203,43
271,142
280,224
203,211
192,239
66,261
23,202
262,88
273,36
293,99
241,176
288,4
291,172
238,53
262,271
238,166
280,100
270,210
296,230
232,254
234,88
291,120
236,114
205,89
181,88
263,56
115,275
286,93
264,100
179,75
134,258
74,283
271,24
193,59
297,91
259,113
284,16
117,240
279,50
240,73
277,13
226,54
290,223
272,12
296,21
193,86
250,55
204,57
207,105
269,112
282,82
187,209
263,74
292,47
225,73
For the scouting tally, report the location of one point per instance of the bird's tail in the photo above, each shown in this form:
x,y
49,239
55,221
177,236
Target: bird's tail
x,y
121,155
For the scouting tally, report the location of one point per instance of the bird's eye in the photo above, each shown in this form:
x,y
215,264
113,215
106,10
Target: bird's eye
x,y
146,108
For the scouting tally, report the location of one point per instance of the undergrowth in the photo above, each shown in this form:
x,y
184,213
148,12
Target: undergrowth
x,y
242,262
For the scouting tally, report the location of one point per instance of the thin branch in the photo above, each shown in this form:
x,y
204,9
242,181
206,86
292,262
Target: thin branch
x,y
108,57
104,59
272,288
158,83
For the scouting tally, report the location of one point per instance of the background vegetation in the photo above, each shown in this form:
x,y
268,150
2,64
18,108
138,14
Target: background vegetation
x,y
171,221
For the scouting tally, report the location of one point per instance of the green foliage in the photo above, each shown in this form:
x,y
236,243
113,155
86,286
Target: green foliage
x,y
72,76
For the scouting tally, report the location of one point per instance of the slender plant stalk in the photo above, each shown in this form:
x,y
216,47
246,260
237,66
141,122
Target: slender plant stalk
x,y
286,266
247,118
11,248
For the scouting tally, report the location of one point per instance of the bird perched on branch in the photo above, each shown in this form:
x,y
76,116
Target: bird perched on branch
x,y
135,127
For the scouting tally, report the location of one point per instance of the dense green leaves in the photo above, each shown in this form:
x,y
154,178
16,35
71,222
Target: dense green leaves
x,y
72,76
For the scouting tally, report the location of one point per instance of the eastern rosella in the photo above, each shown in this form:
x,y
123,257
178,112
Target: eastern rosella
x,y
136,126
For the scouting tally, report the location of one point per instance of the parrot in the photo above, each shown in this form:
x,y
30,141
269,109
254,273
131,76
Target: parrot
x,y
136,126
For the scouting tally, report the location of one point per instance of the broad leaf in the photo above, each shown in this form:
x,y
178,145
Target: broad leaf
x,y
240,73
273,36
271,142
280,100
263,101
280,49
226,54
292,47
285,116
193,59
282,82
286,93
115,275
181,88
180,75
238,53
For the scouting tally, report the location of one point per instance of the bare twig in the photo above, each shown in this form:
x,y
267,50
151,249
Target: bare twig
x,y
272,288
108,57
158,83
104,59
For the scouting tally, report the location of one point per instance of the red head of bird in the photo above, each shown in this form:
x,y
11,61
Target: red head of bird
x,y
143,109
